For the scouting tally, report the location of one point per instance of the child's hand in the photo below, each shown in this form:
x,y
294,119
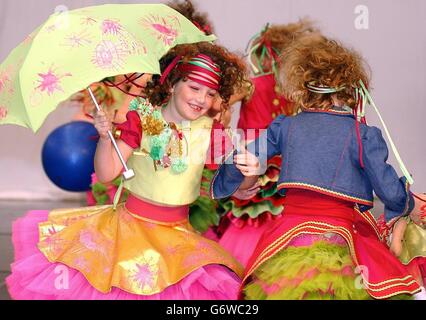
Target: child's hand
x,y
245,194
102,124
396,248
398,236
248,164
418,215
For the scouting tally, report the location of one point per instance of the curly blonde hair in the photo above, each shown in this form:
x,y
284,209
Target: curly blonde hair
x,y
316,60
281,35
233,72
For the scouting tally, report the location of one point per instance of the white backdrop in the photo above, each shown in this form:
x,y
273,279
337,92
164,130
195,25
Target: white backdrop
x,y
394,45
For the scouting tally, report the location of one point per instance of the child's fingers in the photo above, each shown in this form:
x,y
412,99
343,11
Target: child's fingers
x,y
247,171
105,124
102,122
102,116
100,112
252,192
256,186
102,119
246,194
248,161
241,168
244,170
245,155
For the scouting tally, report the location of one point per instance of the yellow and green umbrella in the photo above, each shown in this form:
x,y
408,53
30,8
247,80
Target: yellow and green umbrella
x,y
73,49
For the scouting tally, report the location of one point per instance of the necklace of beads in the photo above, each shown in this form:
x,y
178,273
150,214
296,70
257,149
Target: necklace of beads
x,y
167,141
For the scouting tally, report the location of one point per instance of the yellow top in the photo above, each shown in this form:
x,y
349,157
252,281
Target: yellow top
x,y
164,186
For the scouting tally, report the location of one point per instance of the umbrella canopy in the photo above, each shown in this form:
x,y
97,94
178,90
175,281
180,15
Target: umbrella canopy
x,y
71,50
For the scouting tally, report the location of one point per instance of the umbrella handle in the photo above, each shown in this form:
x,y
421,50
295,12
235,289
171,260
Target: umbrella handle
x,y
128,173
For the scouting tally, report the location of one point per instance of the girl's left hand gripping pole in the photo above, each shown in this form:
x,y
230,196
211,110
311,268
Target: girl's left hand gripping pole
x,y
128,173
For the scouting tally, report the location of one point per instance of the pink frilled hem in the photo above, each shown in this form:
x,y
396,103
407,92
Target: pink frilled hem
x,y
33,277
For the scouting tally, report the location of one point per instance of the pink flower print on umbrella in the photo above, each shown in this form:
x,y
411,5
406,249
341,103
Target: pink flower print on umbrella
x,y
130,44
109,55
111,27
28,39
51,81
77,40
162,28
3,112
88,21
51,28
4,80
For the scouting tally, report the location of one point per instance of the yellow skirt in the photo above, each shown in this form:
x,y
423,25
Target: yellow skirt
x,y
116,248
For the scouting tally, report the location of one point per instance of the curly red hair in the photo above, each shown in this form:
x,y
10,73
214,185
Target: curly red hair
x,y
279,37
315,59
189,10
233,72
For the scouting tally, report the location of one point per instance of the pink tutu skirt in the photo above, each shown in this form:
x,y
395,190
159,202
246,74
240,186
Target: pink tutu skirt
x,y
33,277
241,240
247,220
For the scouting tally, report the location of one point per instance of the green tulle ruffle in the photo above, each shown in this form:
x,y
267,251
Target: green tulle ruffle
x,y
253,210
203,212
314,272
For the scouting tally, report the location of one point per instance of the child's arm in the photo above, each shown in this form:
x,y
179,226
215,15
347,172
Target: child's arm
x,y
418,215
248,182
393,191
249,192
107,162
398,236
241,171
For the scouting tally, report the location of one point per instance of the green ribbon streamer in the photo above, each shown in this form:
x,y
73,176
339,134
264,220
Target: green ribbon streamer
x,y
363,94
118,194
393,147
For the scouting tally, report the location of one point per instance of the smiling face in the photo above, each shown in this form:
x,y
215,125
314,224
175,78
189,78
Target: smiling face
x,y
191,99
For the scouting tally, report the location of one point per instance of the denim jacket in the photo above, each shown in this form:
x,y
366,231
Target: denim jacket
x,y
322,152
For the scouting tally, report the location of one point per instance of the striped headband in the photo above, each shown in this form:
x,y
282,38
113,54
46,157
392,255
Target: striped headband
x,y
200,68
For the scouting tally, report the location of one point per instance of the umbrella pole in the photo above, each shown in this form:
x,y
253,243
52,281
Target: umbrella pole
x,y
128,173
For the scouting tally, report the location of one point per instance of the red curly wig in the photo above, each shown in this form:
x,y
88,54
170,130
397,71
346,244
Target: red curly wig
x,y
189,10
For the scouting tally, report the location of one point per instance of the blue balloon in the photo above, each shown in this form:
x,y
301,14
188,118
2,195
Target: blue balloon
x,y
68,155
